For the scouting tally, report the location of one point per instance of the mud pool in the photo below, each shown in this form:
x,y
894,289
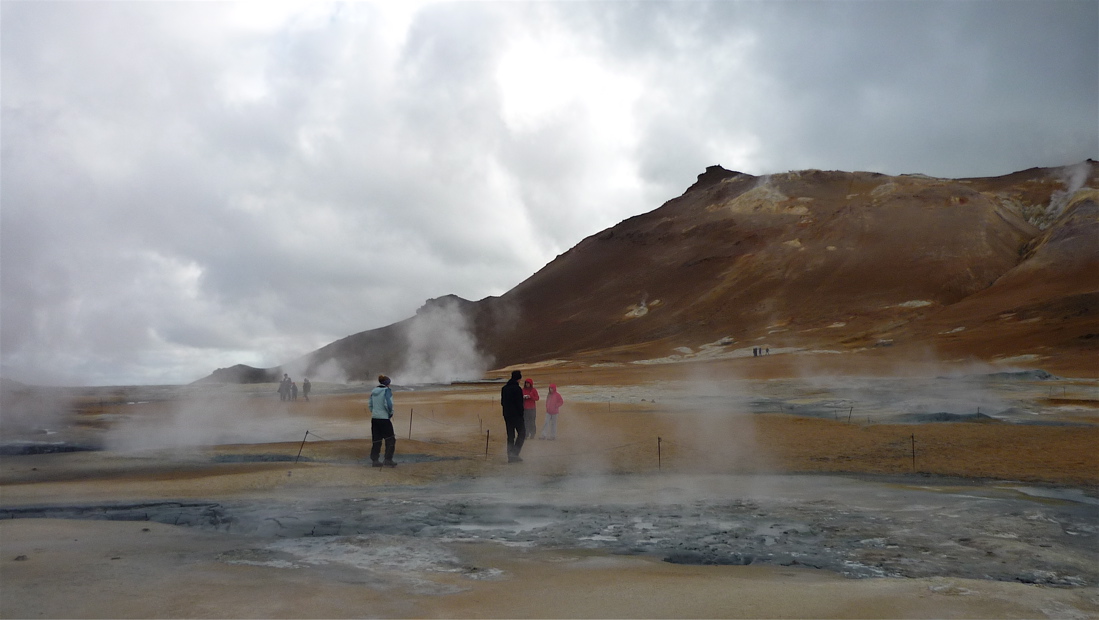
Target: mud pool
x,y
854,527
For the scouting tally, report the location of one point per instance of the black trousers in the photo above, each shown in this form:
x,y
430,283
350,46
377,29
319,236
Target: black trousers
x,y
517,432
382,430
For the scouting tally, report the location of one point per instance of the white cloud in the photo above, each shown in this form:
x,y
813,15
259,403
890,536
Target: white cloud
x,y
215,183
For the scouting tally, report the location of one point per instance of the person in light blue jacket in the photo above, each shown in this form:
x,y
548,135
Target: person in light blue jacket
x,y
381,424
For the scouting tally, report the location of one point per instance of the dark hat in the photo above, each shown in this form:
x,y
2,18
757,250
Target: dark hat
x,y
515,374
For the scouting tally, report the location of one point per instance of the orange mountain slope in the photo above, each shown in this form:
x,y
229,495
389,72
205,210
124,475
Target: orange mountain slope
x,y
988,268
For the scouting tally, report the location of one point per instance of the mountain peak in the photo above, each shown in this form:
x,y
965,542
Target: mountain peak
x,y
810,259
712,176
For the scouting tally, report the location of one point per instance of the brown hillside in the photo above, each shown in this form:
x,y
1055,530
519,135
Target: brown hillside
x,y
746,256
1045,306
986,268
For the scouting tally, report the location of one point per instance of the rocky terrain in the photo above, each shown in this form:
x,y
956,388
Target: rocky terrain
x,y
730,475
813,394
986,268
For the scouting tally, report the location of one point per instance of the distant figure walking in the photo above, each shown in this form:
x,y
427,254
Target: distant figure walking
x,y
530,408
553,406
381,424
293,390
511,400
305,388
284,387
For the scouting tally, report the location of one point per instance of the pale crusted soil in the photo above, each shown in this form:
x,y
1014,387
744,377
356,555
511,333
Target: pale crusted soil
x,y
640,473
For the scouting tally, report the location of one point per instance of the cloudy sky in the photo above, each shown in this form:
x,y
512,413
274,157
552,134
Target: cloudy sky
x,y
187,186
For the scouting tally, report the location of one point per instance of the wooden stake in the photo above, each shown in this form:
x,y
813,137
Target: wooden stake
x,y
300,448
487,434
658,459
913,452
410,411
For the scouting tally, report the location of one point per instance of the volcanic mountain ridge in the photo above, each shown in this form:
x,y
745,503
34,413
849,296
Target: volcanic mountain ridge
x,y
985,268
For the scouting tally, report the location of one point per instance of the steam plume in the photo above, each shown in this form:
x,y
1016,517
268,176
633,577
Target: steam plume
x,y
441,346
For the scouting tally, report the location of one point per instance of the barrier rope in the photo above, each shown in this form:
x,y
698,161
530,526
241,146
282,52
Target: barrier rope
x,y
457,446
448,423
607,450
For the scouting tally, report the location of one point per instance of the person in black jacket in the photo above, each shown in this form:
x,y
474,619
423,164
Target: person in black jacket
x,y
511,399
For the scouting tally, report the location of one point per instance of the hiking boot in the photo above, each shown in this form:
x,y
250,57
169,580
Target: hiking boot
x,y
389,464
514,459
376,464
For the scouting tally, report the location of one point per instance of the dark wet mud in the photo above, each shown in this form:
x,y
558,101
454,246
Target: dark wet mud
x,y
858,528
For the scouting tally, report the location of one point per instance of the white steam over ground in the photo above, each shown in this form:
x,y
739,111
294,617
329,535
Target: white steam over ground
x,y
206,421
331,371
1074,177
715,422
24,410
441,347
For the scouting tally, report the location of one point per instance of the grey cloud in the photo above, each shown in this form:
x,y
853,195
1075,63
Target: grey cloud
x,y
919,87
888,86
184,191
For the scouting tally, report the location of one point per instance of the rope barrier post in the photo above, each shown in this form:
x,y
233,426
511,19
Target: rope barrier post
x,y
658,456
300,448
410,412
913,452
487,433
849,413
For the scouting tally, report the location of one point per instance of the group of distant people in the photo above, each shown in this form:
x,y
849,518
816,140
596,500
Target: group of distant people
x,y
520,407
288,389
758,351
519,403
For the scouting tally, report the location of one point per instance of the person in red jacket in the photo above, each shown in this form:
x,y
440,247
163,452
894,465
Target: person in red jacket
x,y
530,407
553,406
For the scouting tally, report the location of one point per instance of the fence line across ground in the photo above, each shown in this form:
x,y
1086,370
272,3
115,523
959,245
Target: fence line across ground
x,y
485,453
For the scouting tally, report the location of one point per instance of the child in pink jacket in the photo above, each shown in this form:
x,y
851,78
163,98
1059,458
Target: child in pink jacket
x,y
530,407
553,405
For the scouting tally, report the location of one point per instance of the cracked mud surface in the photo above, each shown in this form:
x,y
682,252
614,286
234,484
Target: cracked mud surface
x,y
992,519
852,527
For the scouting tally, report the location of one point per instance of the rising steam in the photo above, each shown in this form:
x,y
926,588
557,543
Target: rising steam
x,y
207,420
441,347
1074,177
